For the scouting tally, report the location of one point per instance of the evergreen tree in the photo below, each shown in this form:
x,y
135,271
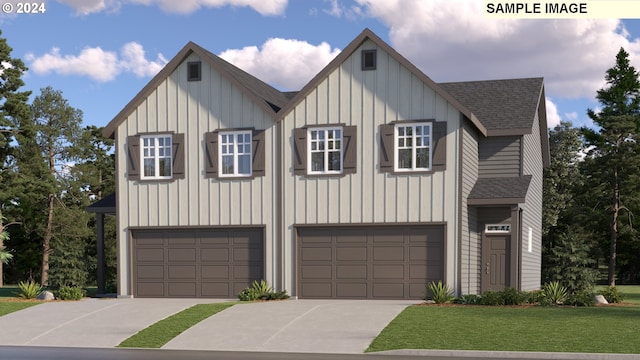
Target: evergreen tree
x,y
615,149
568,262
13,105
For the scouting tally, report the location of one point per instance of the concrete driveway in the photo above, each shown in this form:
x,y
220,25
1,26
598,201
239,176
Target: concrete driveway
x,y
321,326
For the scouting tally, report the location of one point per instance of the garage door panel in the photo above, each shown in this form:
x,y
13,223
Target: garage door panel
x,y
351,272
388,290
182,272
350,290
196,263
368,262
351,253
150,254
150,271
182,254
182,289
215,254
319,290
152,289
313,253
388,253
215,272
388,272
316,272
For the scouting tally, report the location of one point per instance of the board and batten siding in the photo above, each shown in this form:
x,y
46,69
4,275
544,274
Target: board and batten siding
x,y
368,99
532,213
499,156
194,108
470,237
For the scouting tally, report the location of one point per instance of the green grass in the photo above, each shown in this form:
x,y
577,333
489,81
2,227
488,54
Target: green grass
x,y
7,307
631,293
608,329
158,334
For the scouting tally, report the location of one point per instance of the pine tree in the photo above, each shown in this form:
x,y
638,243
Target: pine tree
x,y
615,149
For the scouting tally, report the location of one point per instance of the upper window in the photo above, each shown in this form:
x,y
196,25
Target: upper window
x,y
368,59
235,153
194,72
325,150
413,147
156,157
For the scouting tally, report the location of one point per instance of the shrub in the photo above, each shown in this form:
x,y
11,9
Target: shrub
x,y
582,298
260,290
612,294
29,289
491,298
468,299
511,296
535,297
442,293
554,294
70,293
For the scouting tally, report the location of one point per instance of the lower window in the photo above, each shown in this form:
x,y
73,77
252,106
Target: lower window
x,y
325,148
413,147
156,156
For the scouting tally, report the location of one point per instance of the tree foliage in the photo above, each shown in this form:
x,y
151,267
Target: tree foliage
x,y
614,156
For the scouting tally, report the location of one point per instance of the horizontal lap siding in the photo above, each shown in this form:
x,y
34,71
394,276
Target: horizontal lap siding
x,y
470,238
499,156
193,108
532,213
368,99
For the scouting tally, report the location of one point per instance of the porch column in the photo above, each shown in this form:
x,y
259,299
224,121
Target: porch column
x,y
100,252
516,234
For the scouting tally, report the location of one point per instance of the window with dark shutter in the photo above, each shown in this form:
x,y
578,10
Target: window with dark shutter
x,y
300,151
325,151
243,153
386,148
350,140
258,153
211,154
153,157
390,143
439,162
177,152
133,157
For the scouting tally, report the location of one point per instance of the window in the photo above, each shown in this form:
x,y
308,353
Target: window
x,y
235,153
156,157
193,71
368,59
413,147
325,150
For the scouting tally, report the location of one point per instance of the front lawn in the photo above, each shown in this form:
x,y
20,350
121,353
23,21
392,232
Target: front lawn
x,y
7,307
603,329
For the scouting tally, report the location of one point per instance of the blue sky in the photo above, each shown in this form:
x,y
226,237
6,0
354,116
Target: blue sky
x,y
100,53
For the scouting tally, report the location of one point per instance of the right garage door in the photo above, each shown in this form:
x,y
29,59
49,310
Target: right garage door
x,y
378,262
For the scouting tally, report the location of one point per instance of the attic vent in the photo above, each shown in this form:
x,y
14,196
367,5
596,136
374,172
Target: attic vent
x,y
193,71
369,59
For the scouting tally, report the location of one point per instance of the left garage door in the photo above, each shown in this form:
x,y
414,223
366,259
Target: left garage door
x,y
215,263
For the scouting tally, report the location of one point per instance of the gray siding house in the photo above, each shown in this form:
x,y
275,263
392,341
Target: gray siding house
x,y
368,183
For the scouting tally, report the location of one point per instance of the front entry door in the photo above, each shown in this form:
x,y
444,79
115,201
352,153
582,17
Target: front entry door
x,y
495,261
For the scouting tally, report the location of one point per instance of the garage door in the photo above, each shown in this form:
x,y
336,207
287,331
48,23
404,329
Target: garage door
x,y
215,263
369,262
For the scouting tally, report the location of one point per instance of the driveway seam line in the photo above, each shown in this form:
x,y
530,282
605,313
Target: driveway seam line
x,y
289,324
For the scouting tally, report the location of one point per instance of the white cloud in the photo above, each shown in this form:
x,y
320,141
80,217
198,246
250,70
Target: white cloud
x,y
553,117
263,7
96,63
451,40
285,63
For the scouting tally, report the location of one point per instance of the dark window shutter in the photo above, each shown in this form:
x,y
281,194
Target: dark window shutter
x,y
211,154
439,162
386,148
258,153
177,155
350,143
133,163
300,151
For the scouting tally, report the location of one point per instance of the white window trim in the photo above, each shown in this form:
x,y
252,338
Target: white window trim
x,y
236,168
396,161
326,151
156,165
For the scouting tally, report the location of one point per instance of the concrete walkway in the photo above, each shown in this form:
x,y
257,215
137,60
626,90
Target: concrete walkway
x,y
87,323
317,326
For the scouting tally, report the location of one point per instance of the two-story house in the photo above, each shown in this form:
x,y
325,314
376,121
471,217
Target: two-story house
x,y
369,182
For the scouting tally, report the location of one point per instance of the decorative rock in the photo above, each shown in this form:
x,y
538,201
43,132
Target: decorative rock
x,y
46,295
430,302
600,300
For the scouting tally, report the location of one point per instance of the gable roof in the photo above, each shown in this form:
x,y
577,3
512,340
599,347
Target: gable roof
x,y
505,107
263,94
367,34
